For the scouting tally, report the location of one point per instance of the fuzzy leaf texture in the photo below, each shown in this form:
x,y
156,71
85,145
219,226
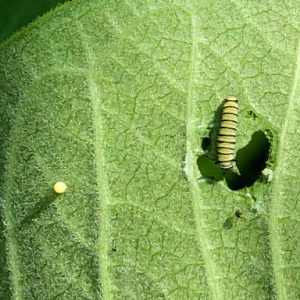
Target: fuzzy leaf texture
x,y
113,98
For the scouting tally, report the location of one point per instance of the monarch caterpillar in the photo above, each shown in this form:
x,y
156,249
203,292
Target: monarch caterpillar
x,y
59,187
227,133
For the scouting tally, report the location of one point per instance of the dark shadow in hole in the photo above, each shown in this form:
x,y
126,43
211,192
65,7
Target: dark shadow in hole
x,y
234,181
205,143
213,133
251,160
209,169
238,214
207,163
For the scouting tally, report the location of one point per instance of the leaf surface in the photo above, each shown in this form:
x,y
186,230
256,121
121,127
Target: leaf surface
x,y
114,99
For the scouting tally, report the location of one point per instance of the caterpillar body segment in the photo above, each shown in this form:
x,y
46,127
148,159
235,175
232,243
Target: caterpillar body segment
x,y
227,133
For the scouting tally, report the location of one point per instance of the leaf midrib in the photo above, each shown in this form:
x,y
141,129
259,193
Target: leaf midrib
x,y
102,180
276,202
192,171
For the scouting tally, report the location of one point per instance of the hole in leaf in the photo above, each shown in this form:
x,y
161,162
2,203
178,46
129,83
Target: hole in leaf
x,y
206,163
205,143
208,168
238,214
251,160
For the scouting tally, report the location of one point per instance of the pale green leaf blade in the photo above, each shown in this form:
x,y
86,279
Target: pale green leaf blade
x,y
114,99
284,214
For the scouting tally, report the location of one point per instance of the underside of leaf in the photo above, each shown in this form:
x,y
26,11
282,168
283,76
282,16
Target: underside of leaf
x,y
115,99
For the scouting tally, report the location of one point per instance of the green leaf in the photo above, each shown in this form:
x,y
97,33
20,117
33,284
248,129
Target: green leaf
x,y
114,99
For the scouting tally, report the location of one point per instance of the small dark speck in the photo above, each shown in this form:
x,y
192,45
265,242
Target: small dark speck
x,y
252,115
238,214
254,210
182,164
228,224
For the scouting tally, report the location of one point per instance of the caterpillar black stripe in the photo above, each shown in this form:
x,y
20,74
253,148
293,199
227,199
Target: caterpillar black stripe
x,y
227,133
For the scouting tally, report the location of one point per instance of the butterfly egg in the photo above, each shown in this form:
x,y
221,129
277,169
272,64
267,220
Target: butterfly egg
x,y
59,187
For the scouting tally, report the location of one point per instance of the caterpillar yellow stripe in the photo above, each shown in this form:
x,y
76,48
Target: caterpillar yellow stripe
x,y
227,133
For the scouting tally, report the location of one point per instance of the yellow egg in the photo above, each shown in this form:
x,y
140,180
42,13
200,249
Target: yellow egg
x,y
59,187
